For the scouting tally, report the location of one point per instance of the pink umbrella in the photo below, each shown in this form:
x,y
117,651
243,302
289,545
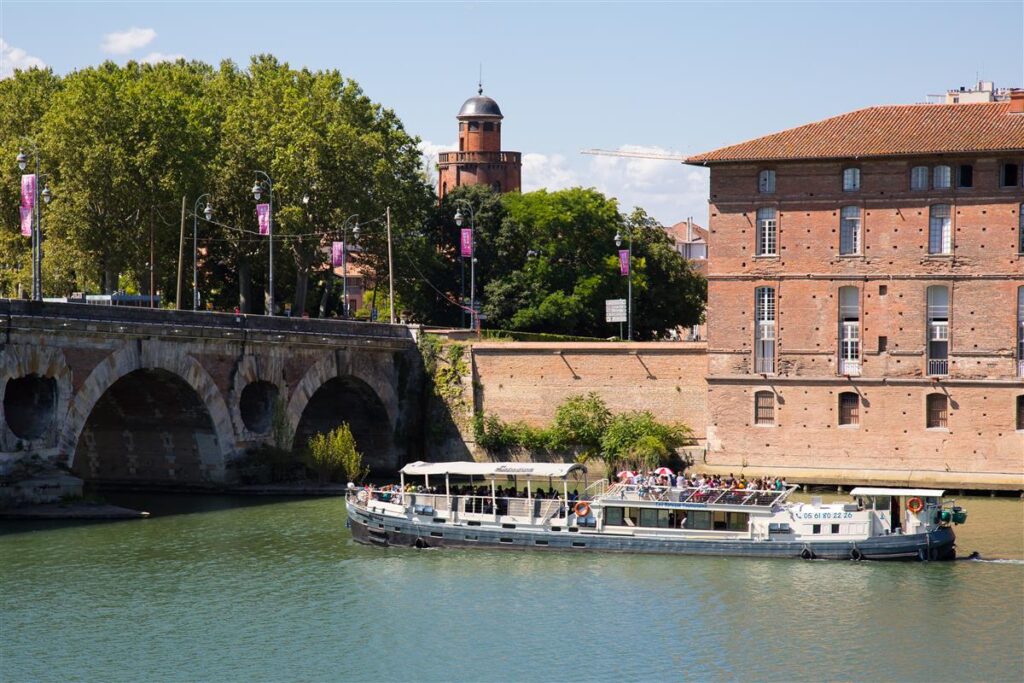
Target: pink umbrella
x,y
663,472
624,474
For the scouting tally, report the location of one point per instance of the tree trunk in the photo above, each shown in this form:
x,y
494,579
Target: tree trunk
x,y
244,282
324,297
301,287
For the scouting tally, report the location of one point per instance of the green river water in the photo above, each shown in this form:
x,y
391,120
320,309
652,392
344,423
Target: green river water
x,y
235,589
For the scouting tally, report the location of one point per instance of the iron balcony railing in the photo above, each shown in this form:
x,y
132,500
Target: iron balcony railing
x,y
764,365
1020,367
938,366
479,158
850,367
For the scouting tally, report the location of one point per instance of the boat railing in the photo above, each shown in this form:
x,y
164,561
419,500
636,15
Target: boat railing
x,y
595,490
698,495
542,509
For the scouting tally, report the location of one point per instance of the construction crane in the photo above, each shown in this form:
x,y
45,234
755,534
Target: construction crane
x,y
633,155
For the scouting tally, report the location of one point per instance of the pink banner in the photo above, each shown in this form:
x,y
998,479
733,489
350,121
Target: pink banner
x,y
337,254
28,191
26,221
624,261
467,242
263,218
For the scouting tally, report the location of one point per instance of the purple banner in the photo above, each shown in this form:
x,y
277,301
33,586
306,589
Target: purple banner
x,y
26,221
28,191
624,261
337,254
467,242
263,218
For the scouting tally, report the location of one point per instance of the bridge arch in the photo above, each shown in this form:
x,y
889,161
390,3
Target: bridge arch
x,y
257,383
163,381
346,387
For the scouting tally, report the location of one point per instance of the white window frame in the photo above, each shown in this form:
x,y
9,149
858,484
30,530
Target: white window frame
x,y
764,330
849,231
942,177
851,179
940,229
767,232
919,178
937,332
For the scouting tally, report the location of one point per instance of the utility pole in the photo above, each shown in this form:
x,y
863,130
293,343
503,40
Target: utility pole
x,y
181,256
391,272
152,255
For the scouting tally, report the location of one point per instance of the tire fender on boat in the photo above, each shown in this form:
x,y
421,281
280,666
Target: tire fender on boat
x,y
420,544
807,553
856,555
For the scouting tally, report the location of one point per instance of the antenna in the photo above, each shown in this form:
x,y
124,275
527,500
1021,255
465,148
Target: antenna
x,y
480,81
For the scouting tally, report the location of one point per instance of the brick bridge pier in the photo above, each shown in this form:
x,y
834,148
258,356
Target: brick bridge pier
x,y
174,397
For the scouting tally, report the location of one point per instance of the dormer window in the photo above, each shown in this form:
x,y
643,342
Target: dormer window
x,y
851,179
766,182
474,125
941,177
919,178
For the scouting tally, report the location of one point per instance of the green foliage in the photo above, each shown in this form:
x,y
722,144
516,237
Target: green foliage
x,y
335,453
492,434
637,439
580,420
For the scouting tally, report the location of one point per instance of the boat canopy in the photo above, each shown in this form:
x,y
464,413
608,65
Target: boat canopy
x,y
494,469
872,491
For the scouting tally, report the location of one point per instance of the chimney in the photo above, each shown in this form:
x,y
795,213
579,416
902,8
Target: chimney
x,y
1017,101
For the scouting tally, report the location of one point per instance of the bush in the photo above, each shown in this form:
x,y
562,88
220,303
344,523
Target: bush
x,y
334,453
638,440
580,421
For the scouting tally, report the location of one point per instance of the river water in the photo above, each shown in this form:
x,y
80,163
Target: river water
x,y
236,589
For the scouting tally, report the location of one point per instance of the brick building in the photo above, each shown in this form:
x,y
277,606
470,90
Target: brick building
x,y
480,159
866,297
691,241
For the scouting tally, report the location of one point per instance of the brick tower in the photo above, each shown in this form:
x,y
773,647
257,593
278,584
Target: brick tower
x,y
479,160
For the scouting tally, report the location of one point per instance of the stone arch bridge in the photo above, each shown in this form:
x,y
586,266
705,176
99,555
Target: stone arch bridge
x,y
176,397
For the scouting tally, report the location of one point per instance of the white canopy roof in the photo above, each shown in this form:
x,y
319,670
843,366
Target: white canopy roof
x,y
494,469
922,493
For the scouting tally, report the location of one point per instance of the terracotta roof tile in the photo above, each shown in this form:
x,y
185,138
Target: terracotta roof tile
x,y
893,130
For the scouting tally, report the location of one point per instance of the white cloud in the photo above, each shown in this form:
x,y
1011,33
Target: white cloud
x,y
123,42
157,57
547,171
15,59
430,151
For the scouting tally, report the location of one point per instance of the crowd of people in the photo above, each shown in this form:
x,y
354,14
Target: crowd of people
x,y
653,480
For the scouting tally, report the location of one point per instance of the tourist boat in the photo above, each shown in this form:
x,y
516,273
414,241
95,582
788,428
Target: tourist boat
x,y
877,524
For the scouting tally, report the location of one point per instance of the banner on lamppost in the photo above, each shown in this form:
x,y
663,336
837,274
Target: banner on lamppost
x,y
28,202
337,254
624,261
467,242
263,218
26,221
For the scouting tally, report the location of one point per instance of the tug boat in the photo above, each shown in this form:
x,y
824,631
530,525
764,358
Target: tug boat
x,y
877,524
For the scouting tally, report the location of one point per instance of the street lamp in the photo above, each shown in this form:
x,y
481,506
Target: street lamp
x,y
629,282
472,257
37,220
257,192
344,258
208,213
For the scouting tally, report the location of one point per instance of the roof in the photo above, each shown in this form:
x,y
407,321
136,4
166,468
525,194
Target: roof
x,y
494,469
679,232
893,130
874,491
480,106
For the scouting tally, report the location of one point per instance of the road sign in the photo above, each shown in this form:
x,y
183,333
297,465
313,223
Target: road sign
x,y
615,310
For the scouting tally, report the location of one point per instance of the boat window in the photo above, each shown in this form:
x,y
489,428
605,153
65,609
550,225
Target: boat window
x,y
737,521
882,503
648,517
632,517
613,516
664,519
698,519
816,529
719,521
835,528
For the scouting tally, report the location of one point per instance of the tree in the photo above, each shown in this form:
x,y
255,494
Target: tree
x,y
637,439
334,453
580,420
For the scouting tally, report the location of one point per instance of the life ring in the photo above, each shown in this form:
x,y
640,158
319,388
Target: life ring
x,y
362,496
582,508
915,505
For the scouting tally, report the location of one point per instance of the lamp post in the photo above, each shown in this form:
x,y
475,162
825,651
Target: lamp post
x,y
257,192
344,258
37,220
208,213
472,256
629,282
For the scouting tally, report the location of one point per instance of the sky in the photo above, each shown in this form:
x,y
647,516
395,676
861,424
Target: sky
x,y
669,77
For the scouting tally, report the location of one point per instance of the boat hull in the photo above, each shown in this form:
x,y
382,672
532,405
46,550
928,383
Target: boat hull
x,y
376,529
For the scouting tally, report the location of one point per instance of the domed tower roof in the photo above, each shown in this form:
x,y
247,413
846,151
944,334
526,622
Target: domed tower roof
x,y
480,106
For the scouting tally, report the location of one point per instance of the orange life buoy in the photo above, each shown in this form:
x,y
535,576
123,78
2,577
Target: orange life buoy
x,y
582,509
915,505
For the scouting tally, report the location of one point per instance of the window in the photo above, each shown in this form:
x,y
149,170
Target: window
x,y
965,175
1020,412
766,182
849,230
937,411
1009,175
767,232
919,178
764,330
849,331
815,528
613,516
940,235
938,330
488,126
849,408
851,179
764,408
474,125
941,177
883,343
1020,331
835,528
